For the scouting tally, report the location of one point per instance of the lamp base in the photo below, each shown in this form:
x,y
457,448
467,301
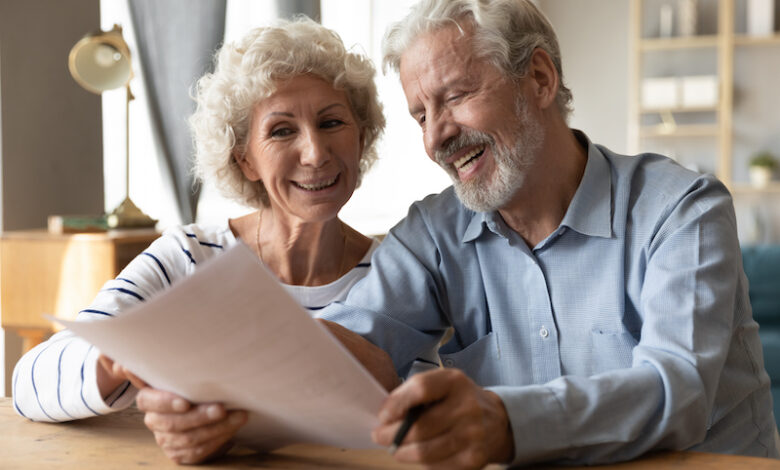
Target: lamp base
x,y
128,215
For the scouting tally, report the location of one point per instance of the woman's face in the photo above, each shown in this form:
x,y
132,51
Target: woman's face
x,y
304,145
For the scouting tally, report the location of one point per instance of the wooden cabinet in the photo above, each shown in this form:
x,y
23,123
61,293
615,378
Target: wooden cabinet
x,y
717,137
58,274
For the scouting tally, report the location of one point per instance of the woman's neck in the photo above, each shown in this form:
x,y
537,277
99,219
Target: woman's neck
x,y
302,253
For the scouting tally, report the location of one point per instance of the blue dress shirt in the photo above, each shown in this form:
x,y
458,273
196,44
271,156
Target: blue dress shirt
x,y
627,329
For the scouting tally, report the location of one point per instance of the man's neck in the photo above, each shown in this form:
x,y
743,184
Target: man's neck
x,y
538,207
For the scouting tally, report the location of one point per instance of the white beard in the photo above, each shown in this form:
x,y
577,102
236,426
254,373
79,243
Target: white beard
x,y
487,193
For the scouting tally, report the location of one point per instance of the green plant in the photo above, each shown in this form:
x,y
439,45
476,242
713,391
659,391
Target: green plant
x,y
765,160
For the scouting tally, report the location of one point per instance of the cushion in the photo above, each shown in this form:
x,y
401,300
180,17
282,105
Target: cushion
x,y
762,267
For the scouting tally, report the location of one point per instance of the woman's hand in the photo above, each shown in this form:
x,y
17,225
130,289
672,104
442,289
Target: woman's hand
x,y
188,433
374,359
111,375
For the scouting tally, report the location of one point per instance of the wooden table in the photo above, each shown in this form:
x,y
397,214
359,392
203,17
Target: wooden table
x,y
121,441
58,274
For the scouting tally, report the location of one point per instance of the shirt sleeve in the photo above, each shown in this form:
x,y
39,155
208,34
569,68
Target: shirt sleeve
x,y
57,380
665,399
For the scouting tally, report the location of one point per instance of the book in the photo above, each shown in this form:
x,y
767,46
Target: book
x,y
77,223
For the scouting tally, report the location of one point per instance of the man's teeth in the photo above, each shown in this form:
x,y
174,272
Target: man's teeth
x,y
317,186
462,161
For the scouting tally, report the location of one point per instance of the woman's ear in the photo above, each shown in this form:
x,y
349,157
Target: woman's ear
x,y
246,165
544,78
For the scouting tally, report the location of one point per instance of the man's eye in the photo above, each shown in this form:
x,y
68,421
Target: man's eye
x,y
421,119
331,123
455,97
281,132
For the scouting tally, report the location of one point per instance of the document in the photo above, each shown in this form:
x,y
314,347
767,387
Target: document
x,y
230,333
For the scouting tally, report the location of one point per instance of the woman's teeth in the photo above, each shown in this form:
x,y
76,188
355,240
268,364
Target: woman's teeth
x,y
317,186
462,162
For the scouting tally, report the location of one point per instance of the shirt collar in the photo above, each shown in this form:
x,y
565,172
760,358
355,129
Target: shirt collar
x,y
589,213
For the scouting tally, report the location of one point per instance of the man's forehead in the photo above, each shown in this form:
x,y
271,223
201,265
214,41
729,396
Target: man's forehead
x,y
437,50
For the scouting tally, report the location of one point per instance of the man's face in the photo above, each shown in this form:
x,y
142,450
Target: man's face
x,y
476,123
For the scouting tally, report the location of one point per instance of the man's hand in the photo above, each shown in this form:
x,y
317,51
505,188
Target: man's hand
x,y
374,359
188,433
463,425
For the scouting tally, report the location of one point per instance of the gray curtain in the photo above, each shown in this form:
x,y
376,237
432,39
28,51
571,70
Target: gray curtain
x,y
176,40
289,8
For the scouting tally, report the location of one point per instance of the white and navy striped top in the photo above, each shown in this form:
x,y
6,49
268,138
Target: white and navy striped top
x,y
56,380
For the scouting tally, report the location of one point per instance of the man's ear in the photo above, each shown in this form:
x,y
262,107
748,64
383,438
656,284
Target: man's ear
x,y
544,78
246,166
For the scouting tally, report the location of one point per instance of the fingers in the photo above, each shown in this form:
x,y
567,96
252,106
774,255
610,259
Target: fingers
x,y
445,451
200,443
433,421
188,433
462,426
198,416
423,388
161,401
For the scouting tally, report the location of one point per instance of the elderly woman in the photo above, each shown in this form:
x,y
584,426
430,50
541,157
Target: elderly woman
x,y
287,123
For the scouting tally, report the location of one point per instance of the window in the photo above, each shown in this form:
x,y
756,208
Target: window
x,y
402,174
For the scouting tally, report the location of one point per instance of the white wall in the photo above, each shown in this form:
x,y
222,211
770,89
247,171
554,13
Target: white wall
x,y
594,38
50,150
403,173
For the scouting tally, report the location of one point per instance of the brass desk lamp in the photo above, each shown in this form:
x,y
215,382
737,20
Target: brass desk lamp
x,y
99,62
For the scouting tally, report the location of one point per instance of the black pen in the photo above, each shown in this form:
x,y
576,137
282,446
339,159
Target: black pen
x,y
409,419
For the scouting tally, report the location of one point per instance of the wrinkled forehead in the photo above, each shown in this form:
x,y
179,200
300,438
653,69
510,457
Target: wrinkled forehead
x,y
446,43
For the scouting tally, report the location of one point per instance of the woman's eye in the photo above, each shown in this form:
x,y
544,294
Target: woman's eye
x,y
281,132
331,123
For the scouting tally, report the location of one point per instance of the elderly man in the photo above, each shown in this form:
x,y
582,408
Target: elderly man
x,y
598,301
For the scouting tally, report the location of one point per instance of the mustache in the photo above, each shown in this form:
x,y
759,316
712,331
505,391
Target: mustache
x,y
465,139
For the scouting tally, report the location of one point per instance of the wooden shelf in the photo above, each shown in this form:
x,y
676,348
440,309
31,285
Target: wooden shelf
x,y
700,130
666,44
714,126
676,110
747,188
745,40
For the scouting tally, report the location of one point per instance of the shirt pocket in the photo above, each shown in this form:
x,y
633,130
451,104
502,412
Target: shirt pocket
x,y
478,360
611,350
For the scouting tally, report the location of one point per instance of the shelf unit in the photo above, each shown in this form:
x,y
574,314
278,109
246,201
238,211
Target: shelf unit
x,y
717,129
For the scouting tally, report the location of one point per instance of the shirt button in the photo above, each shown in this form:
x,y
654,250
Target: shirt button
x,y
448,362
544,332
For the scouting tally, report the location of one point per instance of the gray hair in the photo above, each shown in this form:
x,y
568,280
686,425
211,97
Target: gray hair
x,y
506,32
248,71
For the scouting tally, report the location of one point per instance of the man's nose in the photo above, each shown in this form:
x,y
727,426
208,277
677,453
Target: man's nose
x,y
440,129
314,150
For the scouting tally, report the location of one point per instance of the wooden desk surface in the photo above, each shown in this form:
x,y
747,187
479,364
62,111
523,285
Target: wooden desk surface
x,y
121,441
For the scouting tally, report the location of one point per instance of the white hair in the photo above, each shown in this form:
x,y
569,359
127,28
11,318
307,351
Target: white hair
x,y
248,71
506,32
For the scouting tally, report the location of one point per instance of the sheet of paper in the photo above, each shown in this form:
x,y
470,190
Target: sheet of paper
x,y
230,333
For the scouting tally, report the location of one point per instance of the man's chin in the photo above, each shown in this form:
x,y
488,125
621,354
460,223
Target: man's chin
x,y
475,199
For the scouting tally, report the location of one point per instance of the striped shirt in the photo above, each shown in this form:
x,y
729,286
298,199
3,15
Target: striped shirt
x,y
56,380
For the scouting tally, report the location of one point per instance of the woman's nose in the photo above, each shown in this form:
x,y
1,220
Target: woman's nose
x,y
314,150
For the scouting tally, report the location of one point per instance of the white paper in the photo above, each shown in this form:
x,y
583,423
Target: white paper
x,y
230,333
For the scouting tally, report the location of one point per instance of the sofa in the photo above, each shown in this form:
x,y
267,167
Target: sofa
x,y
762,267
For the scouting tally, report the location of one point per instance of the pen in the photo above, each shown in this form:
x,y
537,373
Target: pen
x,y
409,419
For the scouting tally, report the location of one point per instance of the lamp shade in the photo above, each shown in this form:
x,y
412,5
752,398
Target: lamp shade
x,y
101,61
